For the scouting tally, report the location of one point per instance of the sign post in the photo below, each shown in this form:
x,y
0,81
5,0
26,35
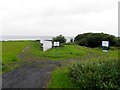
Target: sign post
x,y
56,44
105,46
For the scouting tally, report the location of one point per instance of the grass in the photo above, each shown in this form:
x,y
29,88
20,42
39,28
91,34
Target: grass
x,y
60,53
60,79
66,52
10,52
11,49
78,52
61,76
35,49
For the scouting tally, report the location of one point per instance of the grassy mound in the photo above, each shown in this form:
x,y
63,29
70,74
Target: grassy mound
x,y
67,52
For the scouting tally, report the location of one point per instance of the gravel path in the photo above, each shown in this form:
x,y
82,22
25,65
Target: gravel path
x,y
35,73
30,75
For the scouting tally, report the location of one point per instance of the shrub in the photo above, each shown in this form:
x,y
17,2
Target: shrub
x,y
37,44
101,74
60,39
95,39
71,40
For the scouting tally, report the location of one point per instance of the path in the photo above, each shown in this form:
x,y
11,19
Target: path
x,y
30,75
34,74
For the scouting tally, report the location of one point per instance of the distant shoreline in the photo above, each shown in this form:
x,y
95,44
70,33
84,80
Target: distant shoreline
x,y
18,38
46,44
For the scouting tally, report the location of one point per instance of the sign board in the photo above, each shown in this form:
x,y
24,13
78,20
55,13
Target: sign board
x,y
105,43
105,46
57,44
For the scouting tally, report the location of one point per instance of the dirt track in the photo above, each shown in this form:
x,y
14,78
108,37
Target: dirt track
x,y
35,72
32,75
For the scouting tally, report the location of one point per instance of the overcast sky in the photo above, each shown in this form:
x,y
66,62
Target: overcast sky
x,y
54,17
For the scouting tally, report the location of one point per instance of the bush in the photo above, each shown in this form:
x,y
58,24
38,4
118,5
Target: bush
x,y
95,39
101,74
60,39
118,42
71,40
37,44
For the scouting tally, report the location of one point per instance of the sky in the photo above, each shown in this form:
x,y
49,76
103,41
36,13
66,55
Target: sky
x,y
55,17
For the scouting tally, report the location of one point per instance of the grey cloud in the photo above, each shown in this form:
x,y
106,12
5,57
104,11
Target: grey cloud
x,y
51,17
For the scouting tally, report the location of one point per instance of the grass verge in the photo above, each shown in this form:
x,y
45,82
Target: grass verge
x,y
61,79
10,52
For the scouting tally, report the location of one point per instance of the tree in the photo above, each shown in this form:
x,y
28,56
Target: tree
x,y
118,42
59,38
95,39
71,40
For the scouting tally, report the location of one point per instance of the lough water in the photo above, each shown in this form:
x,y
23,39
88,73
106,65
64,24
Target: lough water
x,y
46,44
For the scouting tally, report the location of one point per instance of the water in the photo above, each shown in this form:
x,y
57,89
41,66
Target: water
x,y
46,44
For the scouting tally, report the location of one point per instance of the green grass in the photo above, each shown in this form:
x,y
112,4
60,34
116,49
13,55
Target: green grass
x,y
69,51
35,49
60,79
61,76
10,52
60,53
66,52
79,52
